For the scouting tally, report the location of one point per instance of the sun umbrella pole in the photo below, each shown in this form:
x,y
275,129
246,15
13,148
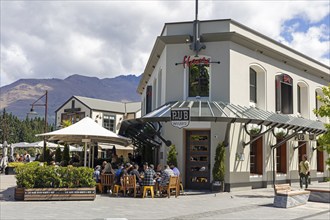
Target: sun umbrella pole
x,y
93,156
89,154
85,157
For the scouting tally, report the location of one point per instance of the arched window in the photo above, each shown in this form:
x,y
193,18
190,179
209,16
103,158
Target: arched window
x,y
318,92
284,94
302,99
253,86
199,80
258,86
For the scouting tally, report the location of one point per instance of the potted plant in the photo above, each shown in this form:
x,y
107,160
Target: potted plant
x,y
171,156
218,170
254,131
280,135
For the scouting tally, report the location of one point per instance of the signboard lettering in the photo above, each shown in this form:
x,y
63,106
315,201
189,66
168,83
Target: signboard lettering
x,y
305,137
180,117
189,62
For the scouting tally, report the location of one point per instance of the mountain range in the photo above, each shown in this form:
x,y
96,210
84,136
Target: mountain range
x,y
18,96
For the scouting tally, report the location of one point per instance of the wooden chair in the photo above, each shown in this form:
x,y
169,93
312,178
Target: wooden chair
x,y
107,181
180,185
173,184
129,182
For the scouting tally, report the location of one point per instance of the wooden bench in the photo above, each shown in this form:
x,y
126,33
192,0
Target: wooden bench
x,y
285,197
319,195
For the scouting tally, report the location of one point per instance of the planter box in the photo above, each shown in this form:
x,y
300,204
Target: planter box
x,y
51,194
217,187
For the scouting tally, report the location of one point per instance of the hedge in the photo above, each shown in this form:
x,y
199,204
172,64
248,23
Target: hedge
x,y
54,177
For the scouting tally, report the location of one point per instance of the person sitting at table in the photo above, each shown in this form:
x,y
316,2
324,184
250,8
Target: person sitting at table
x,y
148,176
165,178
97,173
108,169
135,172
175,169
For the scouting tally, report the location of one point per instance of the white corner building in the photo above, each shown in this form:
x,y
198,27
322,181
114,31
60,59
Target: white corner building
x,y
218,81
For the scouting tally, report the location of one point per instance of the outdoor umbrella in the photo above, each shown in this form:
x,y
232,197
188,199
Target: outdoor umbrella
x,y
86,131
40,144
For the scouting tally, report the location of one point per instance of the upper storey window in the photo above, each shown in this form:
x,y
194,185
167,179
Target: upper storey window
x,y
199,76
284,94
253,86
199,80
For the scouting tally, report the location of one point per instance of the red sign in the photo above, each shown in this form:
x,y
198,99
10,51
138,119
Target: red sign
x,y
189,62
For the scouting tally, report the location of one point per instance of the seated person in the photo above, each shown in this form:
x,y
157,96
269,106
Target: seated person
x,y
135,172
165,178
175,169
96,174
108,169
149,175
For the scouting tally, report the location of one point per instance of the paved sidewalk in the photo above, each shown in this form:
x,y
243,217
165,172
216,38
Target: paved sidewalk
x,y
250,204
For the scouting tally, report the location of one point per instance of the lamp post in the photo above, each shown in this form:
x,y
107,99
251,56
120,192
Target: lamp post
x,y
32,112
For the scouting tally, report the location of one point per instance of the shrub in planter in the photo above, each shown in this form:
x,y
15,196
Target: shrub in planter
x,y
171,156
218,170
54,177
55,183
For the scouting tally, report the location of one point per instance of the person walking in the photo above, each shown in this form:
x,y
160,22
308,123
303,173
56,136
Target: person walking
x,y
304,171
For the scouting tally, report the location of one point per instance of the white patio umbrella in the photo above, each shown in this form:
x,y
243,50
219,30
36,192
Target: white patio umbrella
x,y
41,144
86,131
20,144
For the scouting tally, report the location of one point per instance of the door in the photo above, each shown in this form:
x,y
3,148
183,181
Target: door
x,y
198,160
301,150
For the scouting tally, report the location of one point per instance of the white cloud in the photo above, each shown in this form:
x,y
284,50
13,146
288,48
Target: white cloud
x,y
108,38
314,43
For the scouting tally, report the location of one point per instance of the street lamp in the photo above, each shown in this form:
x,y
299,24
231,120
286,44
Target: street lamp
x,y
32,112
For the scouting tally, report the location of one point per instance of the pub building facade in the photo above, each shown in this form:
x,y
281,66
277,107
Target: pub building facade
x,y
218,81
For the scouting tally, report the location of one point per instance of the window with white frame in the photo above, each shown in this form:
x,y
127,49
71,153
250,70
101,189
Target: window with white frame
x,y
284,94
253,86
109,122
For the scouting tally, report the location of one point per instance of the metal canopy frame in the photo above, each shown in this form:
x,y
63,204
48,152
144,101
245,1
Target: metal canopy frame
x,y
202,110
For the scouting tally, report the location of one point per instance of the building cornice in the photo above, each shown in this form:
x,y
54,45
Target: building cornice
x,y
302,62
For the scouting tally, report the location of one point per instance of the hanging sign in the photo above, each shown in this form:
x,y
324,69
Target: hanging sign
x,y
180,117
305,137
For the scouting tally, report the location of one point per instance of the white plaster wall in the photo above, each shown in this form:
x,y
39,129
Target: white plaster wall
x,y
78,104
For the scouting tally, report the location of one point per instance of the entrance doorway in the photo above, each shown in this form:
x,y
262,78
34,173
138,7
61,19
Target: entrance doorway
x,y
198,160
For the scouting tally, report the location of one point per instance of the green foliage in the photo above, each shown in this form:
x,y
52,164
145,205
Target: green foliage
x,y
58,155
66,154
18,164
66,123
47,158
171,156
254,131
14,130
218,170
54,177
280,134
324,111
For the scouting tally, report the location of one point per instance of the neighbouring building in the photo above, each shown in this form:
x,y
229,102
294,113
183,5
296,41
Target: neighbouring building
x,y
218,81
108,114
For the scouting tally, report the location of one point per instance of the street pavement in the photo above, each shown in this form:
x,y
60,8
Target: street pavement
x,y
248,204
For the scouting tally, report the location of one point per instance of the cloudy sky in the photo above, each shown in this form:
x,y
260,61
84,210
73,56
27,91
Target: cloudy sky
x,y
55,39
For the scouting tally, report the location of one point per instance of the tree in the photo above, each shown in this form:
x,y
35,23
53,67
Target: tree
x,y
66,123
66,154
58,155
324,111
171,156
218,170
